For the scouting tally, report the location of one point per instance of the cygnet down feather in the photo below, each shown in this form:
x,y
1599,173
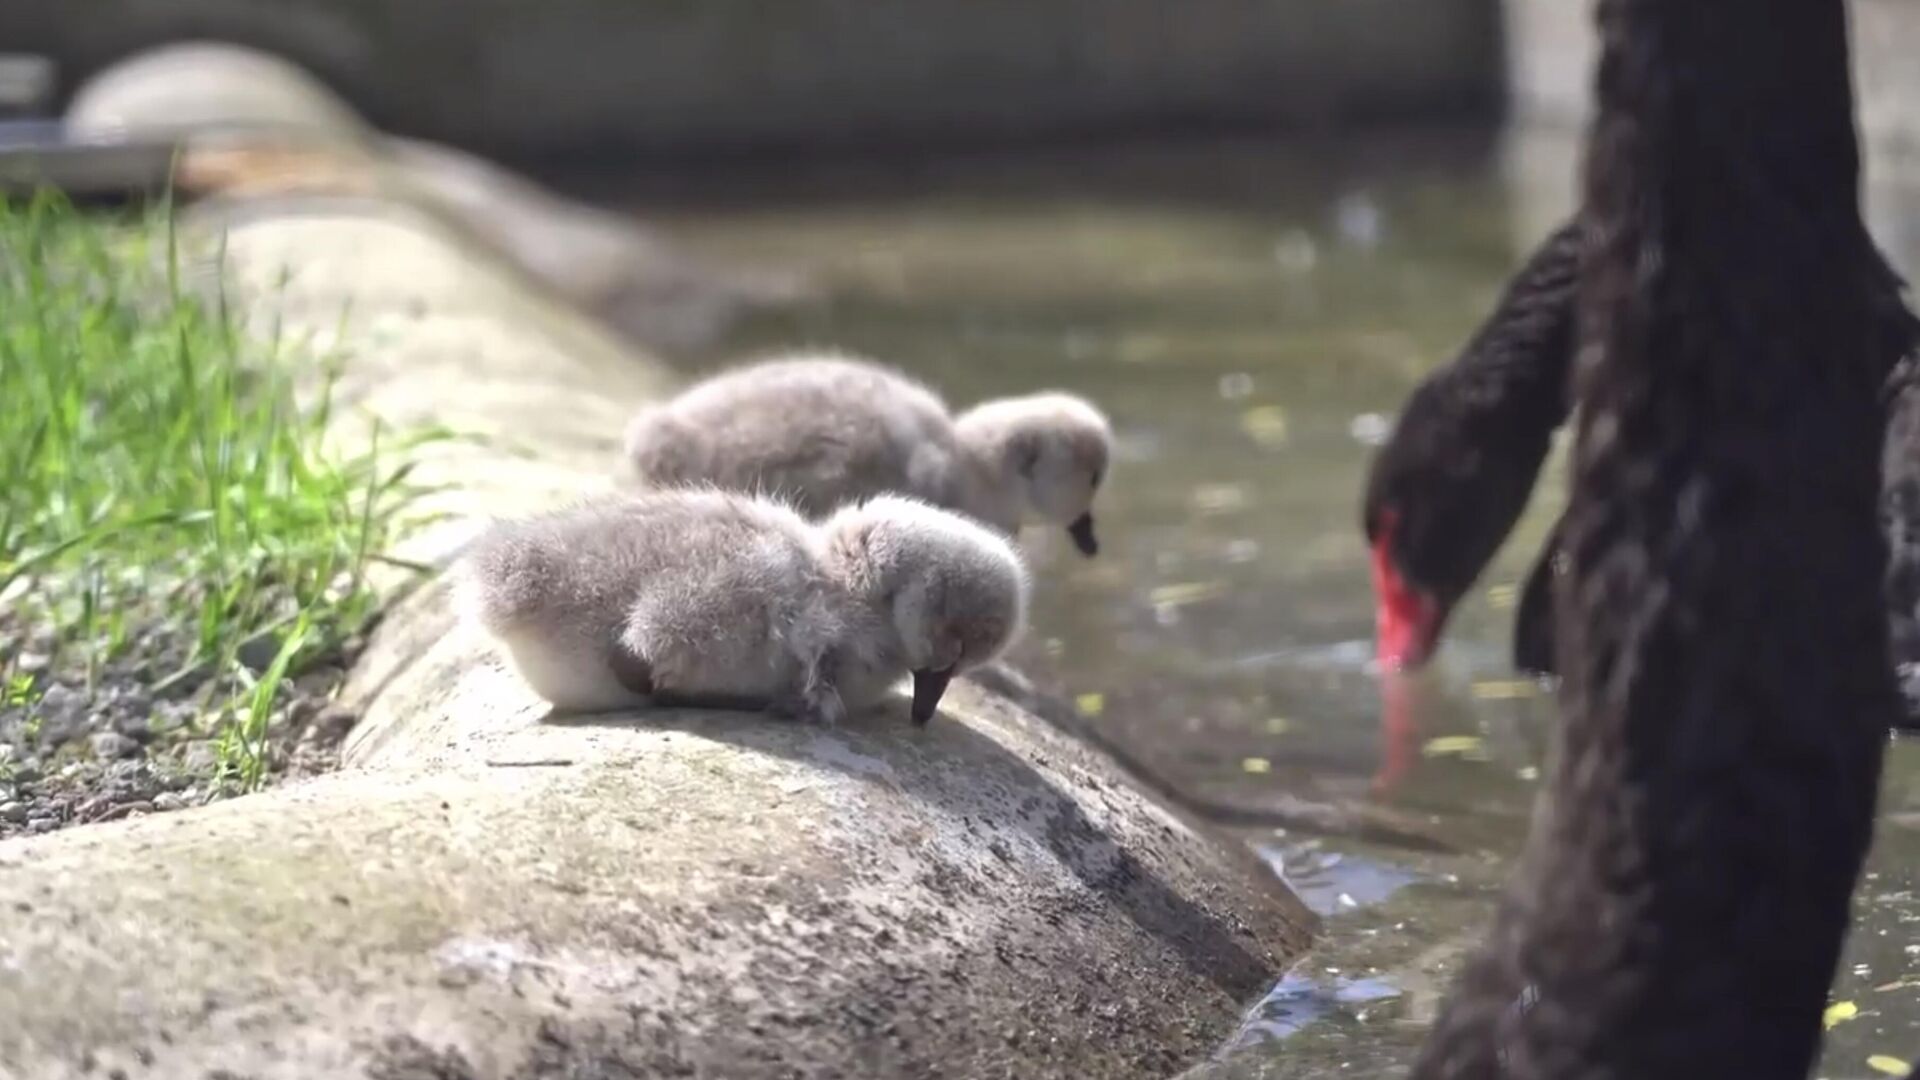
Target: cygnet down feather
x,y
824,430
703,597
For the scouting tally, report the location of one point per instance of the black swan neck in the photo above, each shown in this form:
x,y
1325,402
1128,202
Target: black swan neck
x,y
1684,896
1520,353
1725,131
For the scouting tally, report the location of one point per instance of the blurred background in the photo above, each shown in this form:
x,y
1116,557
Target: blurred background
x,y
1244,227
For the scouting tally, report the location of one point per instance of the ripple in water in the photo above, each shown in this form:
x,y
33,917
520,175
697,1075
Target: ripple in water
x,y
1332,882
1299,1000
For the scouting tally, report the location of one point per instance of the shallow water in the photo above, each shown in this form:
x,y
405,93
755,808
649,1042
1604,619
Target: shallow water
x,y
1250,318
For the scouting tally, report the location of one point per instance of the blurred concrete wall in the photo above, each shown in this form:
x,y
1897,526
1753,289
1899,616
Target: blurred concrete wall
x,y
520,77
1550,48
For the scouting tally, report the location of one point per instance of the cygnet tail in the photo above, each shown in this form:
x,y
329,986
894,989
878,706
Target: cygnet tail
x,y
504,582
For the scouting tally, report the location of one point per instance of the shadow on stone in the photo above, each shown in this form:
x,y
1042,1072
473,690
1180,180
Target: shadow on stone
x,y
1197,936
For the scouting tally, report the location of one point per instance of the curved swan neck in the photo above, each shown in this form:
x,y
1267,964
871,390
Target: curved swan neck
x,y
1519,357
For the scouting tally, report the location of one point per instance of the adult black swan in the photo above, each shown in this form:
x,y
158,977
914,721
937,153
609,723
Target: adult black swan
x,y
1682,901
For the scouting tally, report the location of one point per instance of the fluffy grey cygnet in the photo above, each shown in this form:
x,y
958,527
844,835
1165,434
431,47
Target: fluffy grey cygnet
x,y
824,430
710,598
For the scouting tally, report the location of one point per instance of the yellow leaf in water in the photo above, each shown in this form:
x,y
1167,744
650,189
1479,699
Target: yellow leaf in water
x,y
1266,425
1091,704
1839,1013
1140,349
1278,725
1185,592
1257,765
1888,1064
1472,746
1213,499
1502,597
1505,689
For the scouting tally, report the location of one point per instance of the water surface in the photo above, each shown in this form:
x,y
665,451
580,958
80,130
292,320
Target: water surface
x,y
1251,316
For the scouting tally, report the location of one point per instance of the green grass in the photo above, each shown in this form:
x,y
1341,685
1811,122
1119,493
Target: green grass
x,y
161,472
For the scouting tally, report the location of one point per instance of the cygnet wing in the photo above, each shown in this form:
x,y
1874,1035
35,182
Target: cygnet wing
x,y
818,433
717,614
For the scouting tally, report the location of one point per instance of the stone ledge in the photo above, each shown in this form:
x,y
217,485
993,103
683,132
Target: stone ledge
x,y
485,891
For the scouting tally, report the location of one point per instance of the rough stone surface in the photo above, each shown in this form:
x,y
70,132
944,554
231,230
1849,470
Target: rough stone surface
x,y
590,76
685,894
486,891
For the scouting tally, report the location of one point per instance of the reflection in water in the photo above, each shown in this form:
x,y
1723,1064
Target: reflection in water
x,y
1350,656
1251,318
1399,732
1333,882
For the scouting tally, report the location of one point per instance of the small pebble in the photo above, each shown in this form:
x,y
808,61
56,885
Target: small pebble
x,y
304,709
60,699
201,756
135,700
15,812
257,652
62,715
112,744
170,716
172,800
333,723
43,824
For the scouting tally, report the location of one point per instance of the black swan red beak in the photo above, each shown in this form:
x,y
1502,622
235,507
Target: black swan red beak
x,y
1406,619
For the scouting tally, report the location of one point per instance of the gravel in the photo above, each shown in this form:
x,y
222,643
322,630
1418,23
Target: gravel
x,y
135,737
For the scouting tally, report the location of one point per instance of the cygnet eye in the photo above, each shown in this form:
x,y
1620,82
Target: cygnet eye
x,y
1097,475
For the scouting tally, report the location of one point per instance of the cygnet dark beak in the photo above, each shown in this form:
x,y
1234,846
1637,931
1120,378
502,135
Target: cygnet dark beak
x,y
928,688
1082,532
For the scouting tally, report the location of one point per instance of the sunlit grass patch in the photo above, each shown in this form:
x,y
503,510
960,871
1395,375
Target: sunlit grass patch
x,y
167,506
